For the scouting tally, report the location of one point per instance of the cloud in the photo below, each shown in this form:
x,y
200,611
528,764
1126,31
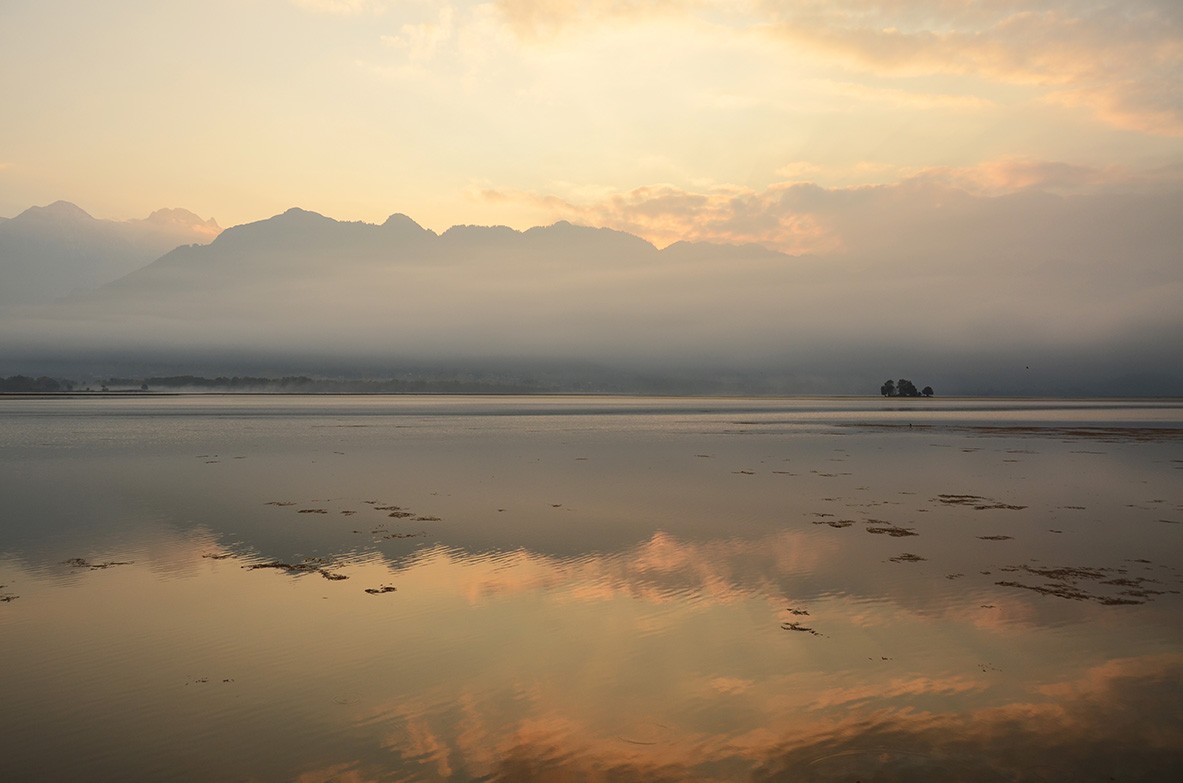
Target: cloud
x,y
910,99
665,214
798,217
343,7
538,18
1120,62
421,41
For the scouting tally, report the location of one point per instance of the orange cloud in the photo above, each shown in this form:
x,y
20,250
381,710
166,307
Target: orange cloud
x,y
1122,65
798,217
665,214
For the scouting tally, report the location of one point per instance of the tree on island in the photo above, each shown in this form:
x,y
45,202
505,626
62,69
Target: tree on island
x,y
903,388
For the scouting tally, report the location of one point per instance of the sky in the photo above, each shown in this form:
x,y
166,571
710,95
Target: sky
x,y
703,119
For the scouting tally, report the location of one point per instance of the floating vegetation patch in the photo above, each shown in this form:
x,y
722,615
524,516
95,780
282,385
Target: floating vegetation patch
x,y
834,522
1063,583
906,557
380,590
893,531
996,538
312,565
977,502
391,511
792,626
78,562
1066,591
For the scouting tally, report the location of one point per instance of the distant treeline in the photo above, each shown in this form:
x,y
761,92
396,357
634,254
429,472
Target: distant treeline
x,y
304,384
23,383
291,384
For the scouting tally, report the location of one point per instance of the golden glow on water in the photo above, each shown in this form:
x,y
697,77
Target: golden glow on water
x,y
187,637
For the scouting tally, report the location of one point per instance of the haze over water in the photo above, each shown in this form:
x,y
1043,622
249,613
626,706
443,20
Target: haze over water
x,y
577,588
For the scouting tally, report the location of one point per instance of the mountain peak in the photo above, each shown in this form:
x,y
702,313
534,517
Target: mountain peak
x,y
58,210
183,219
398,220
301,215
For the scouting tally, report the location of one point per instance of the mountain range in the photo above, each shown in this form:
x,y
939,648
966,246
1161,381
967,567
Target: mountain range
x,y
1004,309
51,251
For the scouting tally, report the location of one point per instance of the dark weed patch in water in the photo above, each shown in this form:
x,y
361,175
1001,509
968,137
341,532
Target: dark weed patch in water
x,y
78,562
798,627
893,531
837,523
1063,582
906,557
977,502
313,565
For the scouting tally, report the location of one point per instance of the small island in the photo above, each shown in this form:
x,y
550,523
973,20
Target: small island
x,y
903,388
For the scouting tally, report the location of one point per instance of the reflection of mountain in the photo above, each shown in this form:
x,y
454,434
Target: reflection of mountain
x,y
48,252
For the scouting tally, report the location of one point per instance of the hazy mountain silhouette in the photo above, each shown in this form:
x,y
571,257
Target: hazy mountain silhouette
x,y
303,293
48,252
300,245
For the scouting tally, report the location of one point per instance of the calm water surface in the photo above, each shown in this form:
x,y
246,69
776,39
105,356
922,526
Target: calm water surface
x,y
581,588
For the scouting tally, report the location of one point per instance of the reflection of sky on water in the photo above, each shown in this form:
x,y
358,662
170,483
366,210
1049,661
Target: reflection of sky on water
x,y
622,617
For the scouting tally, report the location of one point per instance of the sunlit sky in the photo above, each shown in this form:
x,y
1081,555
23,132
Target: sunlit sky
x,y
665,118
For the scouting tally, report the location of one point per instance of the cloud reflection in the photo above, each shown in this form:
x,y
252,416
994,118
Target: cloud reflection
x,y
1096,721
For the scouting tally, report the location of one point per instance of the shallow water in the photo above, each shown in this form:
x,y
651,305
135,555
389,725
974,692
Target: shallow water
x,y
586,588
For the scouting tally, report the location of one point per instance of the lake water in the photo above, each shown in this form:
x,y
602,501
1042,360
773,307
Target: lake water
x,y
583,588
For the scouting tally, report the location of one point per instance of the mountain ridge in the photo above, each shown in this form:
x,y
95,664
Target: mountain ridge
x,y
308,292
51,251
